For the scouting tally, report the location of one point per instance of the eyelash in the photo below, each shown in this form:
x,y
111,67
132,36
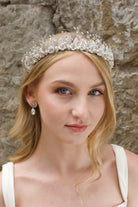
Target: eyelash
x,y
58,90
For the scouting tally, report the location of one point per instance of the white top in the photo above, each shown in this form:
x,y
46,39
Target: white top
x,y
122,169
8,184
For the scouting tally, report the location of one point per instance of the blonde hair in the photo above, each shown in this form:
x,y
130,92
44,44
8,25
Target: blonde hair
x,y
27,128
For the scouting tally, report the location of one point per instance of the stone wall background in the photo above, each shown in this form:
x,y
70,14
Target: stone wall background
x,y
115,20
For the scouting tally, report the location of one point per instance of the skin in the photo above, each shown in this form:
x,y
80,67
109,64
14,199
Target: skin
x,y
61,158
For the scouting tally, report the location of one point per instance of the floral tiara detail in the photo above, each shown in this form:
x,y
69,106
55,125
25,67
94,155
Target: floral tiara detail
x,y
67,41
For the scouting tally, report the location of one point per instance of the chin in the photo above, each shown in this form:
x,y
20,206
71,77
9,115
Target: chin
x,y
76,141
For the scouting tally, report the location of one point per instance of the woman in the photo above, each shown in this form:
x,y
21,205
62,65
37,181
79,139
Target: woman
x,y
64,159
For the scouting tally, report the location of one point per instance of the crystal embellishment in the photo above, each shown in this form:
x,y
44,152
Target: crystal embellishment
x,y
67,41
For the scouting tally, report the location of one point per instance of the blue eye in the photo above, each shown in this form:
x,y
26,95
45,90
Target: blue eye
x,y
63,91
95,92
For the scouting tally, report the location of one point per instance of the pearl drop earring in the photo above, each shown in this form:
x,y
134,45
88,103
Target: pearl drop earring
x,y
33,111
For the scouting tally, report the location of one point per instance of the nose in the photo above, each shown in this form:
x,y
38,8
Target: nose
x,y
80,110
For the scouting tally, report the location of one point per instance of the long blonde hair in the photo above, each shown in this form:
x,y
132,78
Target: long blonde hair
x,y
27,128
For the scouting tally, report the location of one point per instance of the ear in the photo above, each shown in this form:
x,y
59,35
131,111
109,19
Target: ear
x,y
30,95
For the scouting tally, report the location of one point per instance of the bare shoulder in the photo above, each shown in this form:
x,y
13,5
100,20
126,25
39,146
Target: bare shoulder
x,y
132,178
1,196
132,160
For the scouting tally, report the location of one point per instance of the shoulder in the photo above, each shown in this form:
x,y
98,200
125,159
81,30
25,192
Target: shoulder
x,y
1,196
132,160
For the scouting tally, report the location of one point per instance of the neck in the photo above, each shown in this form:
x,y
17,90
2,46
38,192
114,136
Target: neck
x,y
60,157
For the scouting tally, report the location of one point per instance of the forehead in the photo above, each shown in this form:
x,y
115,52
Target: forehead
x,y
76,68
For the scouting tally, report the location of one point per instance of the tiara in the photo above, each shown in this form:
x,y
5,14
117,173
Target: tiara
x,y
67,41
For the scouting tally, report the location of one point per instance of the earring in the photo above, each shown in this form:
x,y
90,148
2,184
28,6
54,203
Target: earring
x,y
33,111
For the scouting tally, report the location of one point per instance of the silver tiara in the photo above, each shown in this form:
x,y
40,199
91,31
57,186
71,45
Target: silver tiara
x,y
67,41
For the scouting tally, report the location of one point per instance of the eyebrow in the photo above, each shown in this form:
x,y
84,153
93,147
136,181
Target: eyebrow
x,y
72,85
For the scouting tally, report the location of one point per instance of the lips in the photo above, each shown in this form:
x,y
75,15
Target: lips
x,y
76,127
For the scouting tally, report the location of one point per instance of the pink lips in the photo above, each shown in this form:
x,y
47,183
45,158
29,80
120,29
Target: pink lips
x,y
76,127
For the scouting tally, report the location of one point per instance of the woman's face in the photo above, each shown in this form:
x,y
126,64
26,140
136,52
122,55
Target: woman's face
x,y
70,97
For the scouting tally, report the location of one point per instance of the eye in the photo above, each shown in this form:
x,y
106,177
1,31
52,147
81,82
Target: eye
x,y
63,91
96,92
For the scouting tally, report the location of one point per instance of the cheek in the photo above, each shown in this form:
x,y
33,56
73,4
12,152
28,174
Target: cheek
x,y
98,111
102,106
99,103
50,108
99,108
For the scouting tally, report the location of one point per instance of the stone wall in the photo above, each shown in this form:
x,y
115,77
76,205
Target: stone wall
x,y
115,20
